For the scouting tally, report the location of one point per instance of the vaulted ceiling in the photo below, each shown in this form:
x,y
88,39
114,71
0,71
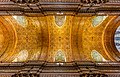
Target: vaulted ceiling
x,y
53,38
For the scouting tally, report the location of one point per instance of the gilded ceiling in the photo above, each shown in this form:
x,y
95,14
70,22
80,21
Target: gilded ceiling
x,y
56,38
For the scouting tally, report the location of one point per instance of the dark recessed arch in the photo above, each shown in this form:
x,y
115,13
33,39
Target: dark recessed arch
x,y
108,39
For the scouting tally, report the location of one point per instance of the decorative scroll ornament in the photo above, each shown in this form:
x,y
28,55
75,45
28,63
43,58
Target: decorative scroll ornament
x,y
59,20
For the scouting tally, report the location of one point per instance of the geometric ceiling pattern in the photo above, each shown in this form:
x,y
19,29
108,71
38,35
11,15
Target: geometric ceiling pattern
x,y
53,38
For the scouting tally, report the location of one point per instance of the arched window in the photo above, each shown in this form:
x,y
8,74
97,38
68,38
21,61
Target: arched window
x,y
97,56
60,57
97,20
117,38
